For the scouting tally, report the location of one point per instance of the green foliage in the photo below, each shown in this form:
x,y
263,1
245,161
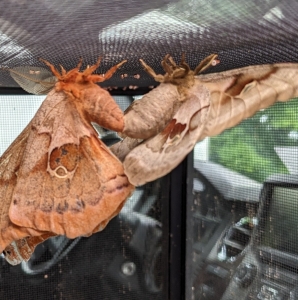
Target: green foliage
x,y
249,147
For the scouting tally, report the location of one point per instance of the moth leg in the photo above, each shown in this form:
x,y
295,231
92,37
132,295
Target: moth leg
x,y
169,68
150,71
205,63
179,73
91,69
52,68
173,70
171,61
100,78
111,71
63,74
63,71
79,64
183,63
68,75
176,74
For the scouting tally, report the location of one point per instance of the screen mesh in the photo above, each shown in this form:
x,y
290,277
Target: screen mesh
x,y
242,221
282,226
241,33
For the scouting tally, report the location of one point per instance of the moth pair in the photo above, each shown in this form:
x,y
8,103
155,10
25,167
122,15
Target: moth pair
x,y
58,177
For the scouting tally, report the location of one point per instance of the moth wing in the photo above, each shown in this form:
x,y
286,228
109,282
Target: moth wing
x,y
21,250
86,189
215,103
34,80
69,182
239,94
9,166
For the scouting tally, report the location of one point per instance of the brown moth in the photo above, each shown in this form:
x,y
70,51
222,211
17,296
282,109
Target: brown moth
x,y
58,177
186,107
